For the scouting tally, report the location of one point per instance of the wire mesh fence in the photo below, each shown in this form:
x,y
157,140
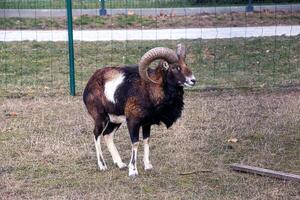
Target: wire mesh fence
x,y
227,47
85,4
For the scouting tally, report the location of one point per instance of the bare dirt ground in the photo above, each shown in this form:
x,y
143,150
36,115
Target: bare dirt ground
x,y
47,150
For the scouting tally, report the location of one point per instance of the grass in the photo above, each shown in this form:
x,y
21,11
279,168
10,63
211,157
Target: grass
x,y
163,21
85,4
47,150
35,68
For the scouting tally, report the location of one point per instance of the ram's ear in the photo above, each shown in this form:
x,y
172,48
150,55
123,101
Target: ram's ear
x,y
165,65
181,51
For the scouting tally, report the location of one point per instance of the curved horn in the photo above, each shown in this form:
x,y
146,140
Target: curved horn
x,y
181,52
153,54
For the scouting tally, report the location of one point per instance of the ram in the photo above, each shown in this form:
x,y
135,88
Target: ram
x,y
139,96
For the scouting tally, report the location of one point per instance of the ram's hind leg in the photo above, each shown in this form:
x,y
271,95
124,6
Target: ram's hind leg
x,y
109,140
99,128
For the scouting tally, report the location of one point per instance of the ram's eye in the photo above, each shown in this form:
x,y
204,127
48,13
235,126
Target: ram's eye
x,y
178,68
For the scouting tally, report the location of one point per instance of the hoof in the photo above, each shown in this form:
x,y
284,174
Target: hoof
x,y
148,167
133,172
101,167
122,166
133,176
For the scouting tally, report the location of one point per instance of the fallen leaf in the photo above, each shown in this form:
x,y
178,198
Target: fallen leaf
x,y
233,140
195,172
11,114
130,13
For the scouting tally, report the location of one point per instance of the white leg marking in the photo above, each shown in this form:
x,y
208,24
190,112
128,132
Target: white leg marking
x,y
147,163
132,165
100,159
111,87
117,119
109,139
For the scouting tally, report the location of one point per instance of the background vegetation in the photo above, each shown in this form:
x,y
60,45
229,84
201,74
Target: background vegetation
x,y
30,68
85,22
83,4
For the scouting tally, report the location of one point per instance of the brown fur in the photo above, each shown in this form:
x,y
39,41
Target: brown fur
x,y
156,92
186,71
111,74
96,88
132,108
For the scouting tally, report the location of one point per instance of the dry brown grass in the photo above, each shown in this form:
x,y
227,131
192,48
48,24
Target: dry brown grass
x,y
47,151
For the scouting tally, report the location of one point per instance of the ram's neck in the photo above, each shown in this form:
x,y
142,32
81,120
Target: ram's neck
x,y
172,92
156,75
156,91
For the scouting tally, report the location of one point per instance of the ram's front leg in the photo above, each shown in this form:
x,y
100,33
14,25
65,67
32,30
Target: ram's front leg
x,y
133,128
146,137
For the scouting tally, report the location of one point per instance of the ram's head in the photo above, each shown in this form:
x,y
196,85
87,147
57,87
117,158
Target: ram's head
x,y
173,63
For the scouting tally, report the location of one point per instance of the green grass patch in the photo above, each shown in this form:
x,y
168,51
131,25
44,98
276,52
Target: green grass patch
x,y
42,67
8,135
85,4
29,23
125,21
85,20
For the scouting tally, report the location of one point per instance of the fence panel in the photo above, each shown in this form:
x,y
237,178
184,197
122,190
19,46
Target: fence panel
x,y
227,47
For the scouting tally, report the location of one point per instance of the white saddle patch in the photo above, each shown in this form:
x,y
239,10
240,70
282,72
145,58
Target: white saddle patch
x,y
111,86
117,119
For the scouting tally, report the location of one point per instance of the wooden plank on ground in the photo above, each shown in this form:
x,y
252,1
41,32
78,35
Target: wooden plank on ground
x,y
265,172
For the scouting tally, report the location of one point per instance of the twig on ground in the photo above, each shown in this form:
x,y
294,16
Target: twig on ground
x,y
195,172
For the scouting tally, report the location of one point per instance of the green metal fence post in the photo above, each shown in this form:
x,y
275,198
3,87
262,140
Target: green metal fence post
x,y
71,47
249,7
102,10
